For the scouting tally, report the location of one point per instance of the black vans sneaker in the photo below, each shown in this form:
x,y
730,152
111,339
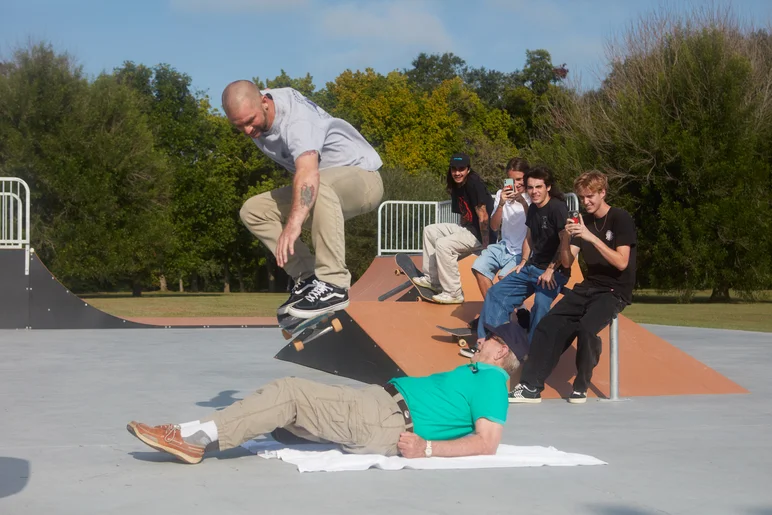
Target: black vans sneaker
x,y
524,395
302,287
323,298
577,397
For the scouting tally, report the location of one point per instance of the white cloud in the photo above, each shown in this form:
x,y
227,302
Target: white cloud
x,y
235,6
399,23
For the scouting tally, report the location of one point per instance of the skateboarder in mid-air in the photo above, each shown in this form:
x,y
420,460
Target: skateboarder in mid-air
x,y
335,177
456,413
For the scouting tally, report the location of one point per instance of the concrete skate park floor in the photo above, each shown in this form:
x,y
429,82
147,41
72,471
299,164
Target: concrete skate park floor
x,y
66,396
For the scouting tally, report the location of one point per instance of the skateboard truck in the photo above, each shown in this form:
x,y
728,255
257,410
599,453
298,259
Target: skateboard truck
x,y
308,335
462,335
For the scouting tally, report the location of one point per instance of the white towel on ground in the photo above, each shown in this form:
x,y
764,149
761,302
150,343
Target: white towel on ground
x,y
329,458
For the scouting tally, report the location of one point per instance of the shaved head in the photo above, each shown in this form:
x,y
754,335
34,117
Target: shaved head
x,y
251,112
240,93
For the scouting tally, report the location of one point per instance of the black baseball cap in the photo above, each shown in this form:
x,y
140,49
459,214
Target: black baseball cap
x,y
459,160
514,336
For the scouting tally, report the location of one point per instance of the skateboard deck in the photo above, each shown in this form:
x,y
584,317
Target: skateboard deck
x,y
461,335
295,326
407,267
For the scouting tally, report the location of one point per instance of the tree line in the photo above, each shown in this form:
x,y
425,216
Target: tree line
x,y
137,179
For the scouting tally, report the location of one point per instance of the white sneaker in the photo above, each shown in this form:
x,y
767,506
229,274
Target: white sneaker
x,y
425,282
447,298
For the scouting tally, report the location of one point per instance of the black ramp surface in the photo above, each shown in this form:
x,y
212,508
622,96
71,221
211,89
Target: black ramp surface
x,y
14,312
350,353
53,306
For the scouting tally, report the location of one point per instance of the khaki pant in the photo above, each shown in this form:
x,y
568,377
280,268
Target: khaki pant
x,y
363,421
443,243
344,193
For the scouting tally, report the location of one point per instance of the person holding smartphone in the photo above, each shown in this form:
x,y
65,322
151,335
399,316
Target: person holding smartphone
x,y
509,211
607,239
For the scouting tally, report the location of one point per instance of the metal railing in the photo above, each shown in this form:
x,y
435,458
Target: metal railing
x,y
14,213
401,224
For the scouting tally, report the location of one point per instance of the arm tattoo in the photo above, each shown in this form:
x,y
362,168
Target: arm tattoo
x,y
484,232
306,195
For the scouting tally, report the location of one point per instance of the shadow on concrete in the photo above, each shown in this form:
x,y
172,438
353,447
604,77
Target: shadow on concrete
x,y
14,475
761,511
220,401
618,509
163,457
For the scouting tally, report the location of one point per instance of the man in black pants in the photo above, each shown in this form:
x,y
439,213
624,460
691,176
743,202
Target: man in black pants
x,y
606,237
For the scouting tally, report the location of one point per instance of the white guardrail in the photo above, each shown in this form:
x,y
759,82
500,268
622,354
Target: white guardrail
x,y
14,213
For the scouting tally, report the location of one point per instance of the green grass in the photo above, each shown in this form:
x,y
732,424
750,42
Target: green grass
x,y
158,304
649,307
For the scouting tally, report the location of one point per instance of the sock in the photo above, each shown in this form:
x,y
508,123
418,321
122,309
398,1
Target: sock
x,y
190,428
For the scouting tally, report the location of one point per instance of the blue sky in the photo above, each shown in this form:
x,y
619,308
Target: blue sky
x,y
216,41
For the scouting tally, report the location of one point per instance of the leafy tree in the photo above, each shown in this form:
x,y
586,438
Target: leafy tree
x,y
429,71
100,189
305,85
683,124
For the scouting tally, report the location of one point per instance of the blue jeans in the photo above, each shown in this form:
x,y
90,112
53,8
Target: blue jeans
x,y
510,292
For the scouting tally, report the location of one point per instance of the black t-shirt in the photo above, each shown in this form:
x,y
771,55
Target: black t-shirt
x,y
616,229
466,198
545,224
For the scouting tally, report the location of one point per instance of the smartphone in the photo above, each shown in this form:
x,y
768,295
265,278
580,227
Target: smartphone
x,y
574,215
509,183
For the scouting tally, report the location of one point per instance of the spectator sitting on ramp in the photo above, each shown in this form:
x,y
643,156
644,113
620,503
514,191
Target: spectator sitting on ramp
x,y
444,242
509,210
541,271
456,413
335,178
606,238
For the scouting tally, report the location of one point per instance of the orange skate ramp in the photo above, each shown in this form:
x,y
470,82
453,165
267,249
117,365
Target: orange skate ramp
x,y
379,278
384,339
649,365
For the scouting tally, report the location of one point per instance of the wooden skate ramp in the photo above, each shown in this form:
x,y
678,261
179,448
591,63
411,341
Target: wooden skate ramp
x,y
378,279
406,332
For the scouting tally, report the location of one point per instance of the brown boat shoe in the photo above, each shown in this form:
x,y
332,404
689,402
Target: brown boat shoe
x,y
167,438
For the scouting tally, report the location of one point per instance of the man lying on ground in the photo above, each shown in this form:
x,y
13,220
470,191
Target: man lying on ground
x,y
457,413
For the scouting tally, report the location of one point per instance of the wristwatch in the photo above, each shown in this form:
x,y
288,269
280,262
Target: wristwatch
x,y
428,450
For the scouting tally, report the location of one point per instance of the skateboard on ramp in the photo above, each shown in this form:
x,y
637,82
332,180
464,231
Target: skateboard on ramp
x,y
406,266
462,335
302,331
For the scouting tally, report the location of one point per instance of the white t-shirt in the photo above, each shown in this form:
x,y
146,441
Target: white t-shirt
x,y
300,125
513,229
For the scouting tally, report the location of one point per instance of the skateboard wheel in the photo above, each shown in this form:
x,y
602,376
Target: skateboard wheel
x,y
298,345
397,271
461,342
287,335
336,325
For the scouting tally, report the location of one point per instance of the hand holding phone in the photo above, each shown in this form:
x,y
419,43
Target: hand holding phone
x,y
508,192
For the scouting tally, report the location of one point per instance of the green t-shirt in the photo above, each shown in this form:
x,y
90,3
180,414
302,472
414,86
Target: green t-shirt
x,y
445,406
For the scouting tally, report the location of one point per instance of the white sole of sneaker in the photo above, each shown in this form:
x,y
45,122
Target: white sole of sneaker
x,y
311,314
160,447
459,301
283,310
525,401
577,401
